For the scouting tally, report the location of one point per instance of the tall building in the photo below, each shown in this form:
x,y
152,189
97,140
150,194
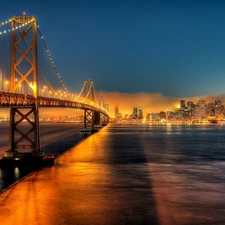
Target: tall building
x,y
218,103
211,109
140,113
191,110
116,111
182,104
162,115
190,105
200,110
135,112
218,110
202,103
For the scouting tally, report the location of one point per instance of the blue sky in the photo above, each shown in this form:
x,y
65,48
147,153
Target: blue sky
x,y
176,47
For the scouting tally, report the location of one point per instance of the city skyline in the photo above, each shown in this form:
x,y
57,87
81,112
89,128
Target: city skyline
x,y
182,105
174,48
150,102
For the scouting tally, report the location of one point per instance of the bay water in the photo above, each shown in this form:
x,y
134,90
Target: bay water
x,y
124,174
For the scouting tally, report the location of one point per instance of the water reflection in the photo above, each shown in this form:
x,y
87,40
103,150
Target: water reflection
x,y
16,173
127,176
89,184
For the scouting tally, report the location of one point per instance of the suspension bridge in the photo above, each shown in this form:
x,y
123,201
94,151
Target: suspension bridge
x,y
29,80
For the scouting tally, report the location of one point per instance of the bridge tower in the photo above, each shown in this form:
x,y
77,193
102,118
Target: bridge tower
x,y
24,73
91,116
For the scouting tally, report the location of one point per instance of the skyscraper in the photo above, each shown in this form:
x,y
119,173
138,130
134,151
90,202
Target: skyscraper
x,y
135,112
182,104
117,111
140,113
200,110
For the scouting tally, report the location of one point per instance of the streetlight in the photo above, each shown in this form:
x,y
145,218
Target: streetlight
x,y
6,85
33,86
20,89
45,90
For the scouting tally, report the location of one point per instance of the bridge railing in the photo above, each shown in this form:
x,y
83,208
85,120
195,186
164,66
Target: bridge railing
x,y
8,99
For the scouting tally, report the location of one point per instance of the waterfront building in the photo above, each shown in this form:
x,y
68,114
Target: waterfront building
x,y
116,112
162,115
182,104
200,110
140,113
218,110
191,109
190,105
135,112
218,103
211,109
149,117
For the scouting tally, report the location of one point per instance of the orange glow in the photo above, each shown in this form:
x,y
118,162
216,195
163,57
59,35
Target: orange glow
x,y
63,194
154,102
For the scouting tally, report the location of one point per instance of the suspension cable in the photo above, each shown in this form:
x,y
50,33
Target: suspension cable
x,y
50,58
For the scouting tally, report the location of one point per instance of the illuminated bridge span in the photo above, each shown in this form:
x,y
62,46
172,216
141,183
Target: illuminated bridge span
x,y
29,80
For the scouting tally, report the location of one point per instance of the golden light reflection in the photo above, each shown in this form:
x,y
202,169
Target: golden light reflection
x,y
63,194
16,172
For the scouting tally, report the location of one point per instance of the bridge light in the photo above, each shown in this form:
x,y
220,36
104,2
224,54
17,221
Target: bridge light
x,y
24,14
6,85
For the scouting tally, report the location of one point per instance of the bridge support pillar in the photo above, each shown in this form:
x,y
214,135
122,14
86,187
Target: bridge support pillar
x,y
104,119
24,141
97,120
91,121
88,119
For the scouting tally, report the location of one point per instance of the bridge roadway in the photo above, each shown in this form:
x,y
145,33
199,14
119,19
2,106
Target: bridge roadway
x,y
10,100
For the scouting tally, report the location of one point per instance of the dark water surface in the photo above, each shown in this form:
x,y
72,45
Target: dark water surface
x,y
56,138
127,174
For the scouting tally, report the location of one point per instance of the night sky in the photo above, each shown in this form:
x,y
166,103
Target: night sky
x,y
175,48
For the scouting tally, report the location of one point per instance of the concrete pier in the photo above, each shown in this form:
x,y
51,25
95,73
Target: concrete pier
x,y
26,160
